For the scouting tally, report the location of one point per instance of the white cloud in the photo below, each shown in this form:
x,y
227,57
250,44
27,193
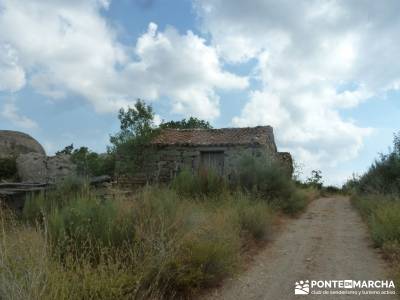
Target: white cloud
x,y
10,112
314,58
67,47
183,68
12,75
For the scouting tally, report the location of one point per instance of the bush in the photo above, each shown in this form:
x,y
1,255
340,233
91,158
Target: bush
x,y
264,177
296,202
385,224
269,182
184,245
376,195
163,243
331,190
206,183
383,176
8,168
255,217
86,225
383,217
90,163
39,206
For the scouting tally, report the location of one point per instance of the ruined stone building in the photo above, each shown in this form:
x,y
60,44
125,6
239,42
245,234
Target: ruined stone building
x,y
217,149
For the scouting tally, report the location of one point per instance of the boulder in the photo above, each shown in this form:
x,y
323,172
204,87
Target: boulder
x,y
14,143
31,167
35,167
59,167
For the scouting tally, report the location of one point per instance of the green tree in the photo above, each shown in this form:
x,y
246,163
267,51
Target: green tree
x,y
383,176
396,143
67,150
191,123
90,163
136,130
315,179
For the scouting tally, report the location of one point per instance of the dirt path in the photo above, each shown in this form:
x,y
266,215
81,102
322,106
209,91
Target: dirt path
x,y
328,242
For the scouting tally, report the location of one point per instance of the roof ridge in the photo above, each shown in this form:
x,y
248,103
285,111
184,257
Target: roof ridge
x,y
214,129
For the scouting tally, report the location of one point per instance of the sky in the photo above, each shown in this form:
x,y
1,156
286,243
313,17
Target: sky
x,y
325,74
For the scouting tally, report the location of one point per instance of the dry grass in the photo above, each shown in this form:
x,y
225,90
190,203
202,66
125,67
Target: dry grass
x,y
382,215
162,243
171,246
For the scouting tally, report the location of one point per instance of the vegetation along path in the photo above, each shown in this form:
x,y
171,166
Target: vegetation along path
x,y
328,242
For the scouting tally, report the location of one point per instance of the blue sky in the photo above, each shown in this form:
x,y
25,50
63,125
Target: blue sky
x,y
325,75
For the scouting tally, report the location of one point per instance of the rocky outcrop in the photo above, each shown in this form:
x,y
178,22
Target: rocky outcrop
x,y
14,143
35,167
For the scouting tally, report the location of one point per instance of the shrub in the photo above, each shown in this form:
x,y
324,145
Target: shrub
x,y
330,190
8,168
268,181
184,245
265,178
383,176
385,223
38,206
205,183
382,215
86,225
160,244
90,163
254,216
296,202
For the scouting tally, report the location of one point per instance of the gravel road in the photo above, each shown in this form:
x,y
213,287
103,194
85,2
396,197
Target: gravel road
x,y
328,242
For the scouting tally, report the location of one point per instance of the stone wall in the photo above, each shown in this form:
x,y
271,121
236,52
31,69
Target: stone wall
x,y
164,162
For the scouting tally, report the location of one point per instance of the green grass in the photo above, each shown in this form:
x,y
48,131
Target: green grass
x,y
382,214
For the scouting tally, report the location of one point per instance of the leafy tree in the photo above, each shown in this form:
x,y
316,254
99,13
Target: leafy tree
x,y
90,163
136,130
130,145
136,123
67,150
383,176
315,179
191,123
396,143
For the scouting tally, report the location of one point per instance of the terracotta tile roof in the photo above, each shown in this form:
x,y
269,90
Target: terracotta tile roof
x,y
212,137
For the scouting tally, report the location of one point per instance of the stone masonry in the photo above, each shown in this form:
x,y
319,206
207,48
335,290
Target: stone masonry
x,y
219,149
